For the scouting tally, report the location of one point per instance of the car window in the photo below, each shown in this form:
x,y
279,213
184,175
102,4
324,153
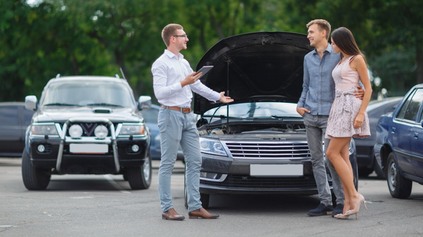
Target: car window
x,y
9,115
88,93
411,107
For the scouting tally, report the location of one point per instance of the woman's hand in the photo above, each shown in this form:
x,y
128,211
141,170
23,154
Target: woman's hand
x,y
358,121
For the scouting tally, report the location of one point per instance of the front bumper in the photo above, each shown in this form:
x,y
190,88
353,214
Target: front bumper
x,y
88,155
224,176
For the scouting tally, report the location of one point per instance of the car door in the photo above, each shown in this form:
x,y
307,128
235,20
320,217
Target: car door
x,y
401,133
416,145
10,129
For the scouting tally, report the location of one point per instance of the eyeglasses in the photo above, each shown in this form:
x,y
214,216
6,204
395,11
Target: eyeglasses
x,y
183,36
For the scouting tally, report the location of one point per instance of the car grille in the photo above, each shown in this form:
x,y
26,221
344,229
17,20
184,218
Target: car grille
x,y
268,150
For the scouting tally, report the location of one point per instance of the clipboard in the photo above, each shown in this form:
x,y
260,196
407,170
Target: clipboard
x,y
205,69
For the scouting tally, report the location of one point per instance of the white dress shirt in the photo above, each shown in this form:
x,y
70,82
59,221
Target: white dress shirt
x,y
168,72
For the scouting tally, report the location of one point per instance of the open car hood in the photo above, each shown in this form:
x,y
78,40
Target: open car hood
x,y
255,66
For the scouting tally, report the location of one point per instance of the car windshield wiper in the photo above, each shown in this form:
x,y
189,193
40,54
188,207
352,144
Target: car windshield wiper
x,y
103,104
222,117
285,117
59,104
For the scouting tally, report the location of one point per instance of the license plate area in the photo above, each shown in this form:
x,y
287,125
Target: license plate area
x,y
288,170
88,148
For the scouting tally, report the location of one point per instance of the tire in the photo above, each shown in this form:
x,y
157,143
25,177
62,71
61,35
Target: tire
x,y
378,170
205,200
140,177
398,186
185,198
364,172
34,178
354,167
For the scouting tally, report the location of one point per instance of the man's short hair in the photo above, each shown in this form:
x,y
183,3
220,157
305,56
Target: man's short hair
x,y
322,24
168,31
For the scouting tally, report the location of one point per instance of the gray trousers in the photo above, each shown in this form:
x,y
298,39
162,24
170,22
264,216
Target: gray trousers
x,y
316,128
177,129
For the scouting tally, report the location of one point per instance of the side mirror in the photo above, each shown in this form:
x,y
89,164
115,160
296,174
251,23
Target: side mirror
x,y
31,102
144,102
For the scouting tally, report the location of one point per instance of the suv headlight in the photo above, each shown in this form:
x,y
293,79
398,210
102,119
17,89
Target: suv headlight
x,y
214,147
44,129
132,129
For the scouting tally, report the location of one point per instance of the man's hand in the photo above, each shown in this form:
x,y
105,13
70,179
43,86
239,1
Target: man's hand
x,y
191,78
359,93
225,99
302,111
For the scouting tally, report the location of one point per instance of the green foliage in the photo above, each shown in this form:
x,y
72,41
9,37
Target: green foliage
x,y
98,37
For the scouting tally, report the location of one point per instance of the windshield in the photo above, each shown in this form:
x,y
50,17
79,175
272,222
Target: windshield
x,y
254,110
88,93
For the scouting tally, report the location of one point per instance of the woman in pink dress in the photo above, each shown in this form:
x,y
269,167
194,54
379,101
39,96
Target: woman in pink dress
x,y
348,117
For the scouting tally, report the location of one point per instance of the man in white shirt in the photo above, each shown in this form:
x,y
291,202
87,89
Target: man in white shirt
x,y
173,83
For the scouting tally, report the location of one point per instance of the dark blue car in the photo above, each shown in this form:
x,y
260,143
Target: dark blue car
x,y
399,144
364,146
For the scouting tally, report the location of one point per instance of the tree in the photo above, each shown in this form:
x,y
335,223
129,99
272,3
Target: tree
x,y
398,35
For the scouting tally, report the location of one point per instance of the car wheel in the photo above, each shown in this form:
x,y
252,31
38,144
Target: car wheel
x,y
364,172
34,178
354,167
398,186
378,170
140,177
205,200
185,189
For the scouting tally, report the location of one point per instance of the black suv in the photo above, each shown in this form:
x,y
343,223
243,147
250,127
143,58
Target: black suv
x,y
86,125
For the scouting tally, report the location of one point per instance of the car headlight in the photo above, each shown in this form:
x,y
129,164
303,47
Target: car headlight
x,y
44,129
214,147
132,129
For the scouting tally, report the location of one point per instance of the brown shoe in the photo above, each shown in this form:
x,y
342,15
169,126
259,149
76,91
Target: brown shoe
x,y
202,213
172,215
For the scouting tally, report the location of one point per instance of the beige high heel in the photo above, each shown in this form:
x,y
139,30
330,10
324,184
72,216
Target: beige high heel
x,y
355,211
341,216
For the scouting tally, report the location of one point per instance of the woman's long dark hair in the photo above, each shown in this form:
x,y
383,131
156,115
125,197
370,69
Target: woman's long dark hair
x,y
344,39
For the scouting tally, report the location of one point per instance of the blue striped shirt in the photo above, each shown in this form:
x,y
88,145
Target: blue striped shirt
x,y
318,85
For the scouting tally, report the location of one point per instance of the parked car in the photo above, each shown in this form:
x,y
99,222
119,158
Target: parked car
x,y
399,144
86,125
365,157
150,113
14,119
257,144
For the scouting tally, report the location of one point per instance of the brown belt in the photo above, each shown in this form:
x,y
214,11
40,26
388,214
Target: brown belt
x,y
184,110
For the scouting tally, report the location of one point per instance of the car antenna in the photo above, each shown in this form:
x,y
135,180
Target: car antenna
x,y
123,74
